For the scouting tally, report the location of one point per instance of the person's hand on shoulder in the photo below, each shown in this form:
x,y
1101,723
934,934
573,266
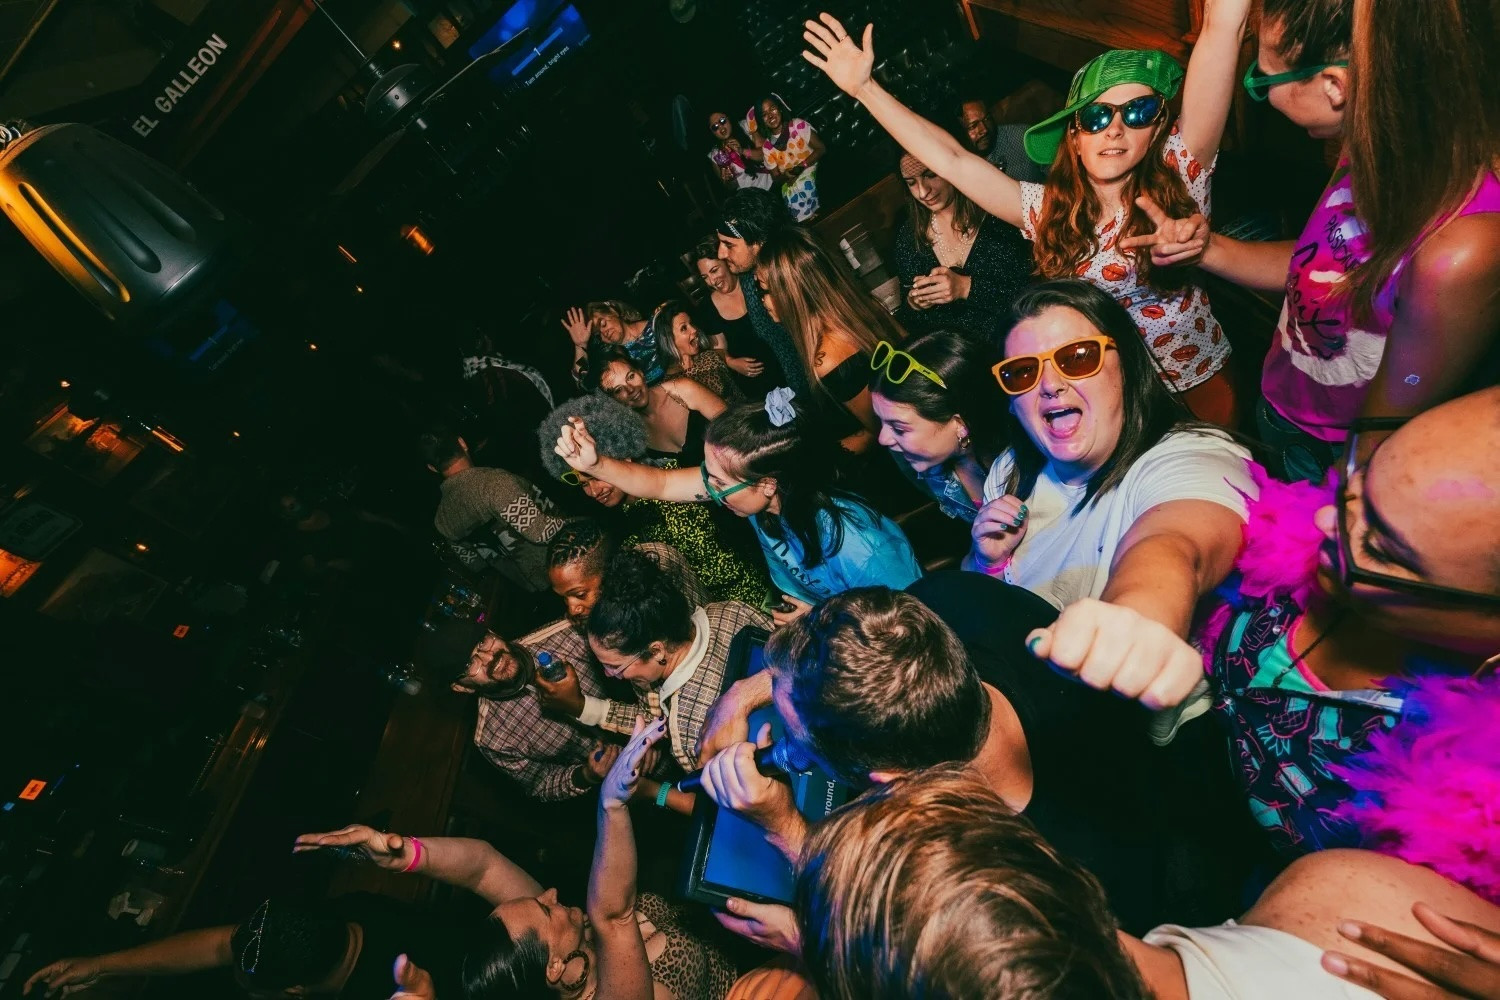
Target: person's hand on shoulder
x,y
1468,968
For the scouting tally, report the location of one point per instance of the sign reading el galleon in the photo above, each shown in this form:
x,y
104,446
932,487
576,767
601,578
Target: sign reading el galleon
x,y
198,65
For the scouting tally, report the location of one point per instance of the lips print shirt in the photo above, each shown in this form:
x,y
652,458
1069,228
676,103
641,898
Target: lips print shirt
x,y
1178,325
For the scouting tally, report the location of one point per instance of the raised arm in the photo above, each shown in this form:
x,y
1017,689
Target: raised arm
x,y
575,445
1132,639
1212,75
849,64
459,861
624,972
1174,554
178,954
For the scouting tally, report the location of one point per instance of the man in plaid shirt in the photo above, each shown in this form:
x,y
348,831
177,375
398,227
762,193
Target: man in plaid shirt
x,y
527,727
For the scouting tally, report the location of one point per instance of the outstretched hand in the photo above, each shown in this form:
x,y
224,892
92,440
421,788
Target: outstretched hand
x,y
390,851
575,445
576,322
847,62
625,774
1176,242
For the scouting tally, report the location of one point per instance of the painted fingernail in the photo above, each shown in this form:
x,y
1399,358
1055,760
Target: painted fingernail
x,y
1025,510
1335,964
1033,643
1350,930
1020,519
598,754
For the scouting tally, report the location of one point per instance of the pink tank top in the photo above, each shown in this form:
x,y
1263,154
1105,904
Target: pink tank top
x,y
1321,364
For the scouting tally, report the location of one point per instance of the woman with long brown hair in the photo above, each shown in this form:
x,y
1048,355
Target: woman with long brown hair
x,y
833,321
1115,155
1391,288
960,267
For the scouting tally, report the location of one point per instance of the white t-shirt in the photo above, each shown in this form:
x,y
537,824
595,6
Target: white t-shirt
x,y
1066,556
1238,962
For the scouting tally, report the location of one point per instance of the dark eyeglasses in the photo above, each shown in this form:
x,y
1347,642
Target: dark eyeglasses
x,y
1141,112
1258,85
1076,360
1350,572
898,365
720,122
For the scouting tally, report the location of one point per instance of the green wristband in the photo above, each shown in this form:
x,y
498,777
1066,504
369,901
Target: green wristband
x,y
662,793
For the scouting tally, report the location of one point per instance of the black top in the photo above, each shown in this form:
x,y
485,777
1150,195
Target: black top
x,y
1093,795
393,928
740,341
848,379
1000,262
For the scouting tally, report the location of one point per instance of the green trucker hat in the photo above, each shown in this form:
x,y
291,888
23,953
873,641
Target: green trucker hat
x,y
1151,67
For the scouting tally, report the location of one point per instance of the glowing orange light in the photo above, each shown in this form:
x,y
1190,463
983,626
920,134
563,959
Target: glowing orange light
x,y
414,235
142,547
33,790
347,255
180,631
396,45
234,433
15,571
359,289
312,347
66,384
167,438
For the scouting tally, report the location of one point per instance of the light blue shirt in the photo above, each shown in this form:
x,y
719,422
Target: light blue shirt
x,y
875,553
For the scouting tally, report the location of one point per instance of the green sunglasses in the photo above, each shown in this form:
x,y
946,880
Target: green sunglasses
x,y
571,477
898,365
717,496
1258,85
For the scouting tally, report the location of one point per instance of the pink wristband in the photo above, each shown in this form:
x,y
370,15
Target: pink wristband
x,y
416,856
997,571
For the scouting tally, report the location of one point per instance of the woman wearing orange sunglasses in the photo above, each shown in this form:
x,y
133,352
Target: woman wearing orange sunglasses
x,y
1112,503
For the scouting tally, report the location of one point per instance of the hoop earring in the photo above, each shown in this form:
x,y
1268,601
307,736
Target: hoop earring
x,y
578,985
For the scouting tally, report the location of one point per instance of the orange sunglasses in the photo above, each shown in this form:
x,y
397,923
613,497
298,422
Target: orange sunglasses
x,y
1074,360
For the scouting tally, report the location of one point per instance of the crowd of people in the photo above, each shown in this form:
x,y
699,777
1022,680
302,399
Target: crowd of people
x,y
1307,581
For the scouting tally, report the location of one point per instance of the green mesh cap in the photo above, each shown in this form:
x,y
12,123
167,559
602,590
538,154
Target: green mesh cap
x,y
1151,67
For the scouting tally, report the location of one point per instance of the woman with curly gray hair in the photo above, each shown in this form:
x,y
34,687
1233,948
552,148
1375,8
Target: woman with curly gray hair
x,y
724,557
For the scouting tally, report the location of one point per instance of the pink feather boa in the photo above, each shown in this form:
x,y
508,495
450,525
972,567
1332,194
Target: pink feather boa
x,y
1280,555
1426,791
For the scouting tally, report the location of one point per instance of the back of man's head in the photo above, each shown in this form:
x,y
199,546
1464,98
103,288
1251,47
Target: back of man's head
x,y
751,214
930,886
286,944
439,446
879,683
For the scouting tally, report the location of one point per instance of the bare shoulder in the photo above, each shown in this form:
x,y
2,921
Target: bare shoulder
x,y
834,348
1464,251
1316,892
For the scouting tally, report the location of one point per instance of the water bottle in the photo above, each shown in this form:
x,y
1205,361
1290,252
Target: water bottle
x,y
550,669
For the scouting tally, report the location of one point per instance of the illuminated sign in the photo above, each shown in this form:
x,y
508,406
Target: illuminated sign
x,y
33,790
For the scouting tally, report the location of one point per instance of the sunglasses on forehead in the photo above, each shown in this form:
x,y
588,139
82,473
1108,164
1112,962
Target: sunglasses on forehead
x,y
1077,360
1140,112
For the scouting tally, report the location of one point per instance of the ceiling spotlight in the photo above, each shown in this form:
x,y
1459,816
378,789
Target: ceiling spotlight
x,y
312,347
66,384
142,547
396,45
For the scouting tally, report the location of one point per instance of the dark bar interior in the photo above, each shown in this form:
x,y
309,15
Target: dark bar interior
x,y
260,252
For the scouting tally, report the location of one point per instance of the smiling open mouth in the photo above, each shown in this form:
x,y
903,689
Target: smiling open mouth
x,y
1062,421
